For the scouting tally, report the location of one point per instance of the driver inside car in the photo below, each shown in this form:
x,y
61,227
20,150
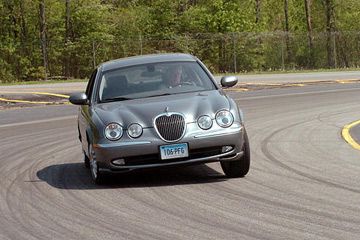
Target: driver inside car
x,y
172,77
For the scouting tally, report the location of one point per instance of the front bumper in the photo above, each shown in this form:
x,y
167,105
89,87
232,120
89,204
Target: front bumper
x,y
221,157
204,147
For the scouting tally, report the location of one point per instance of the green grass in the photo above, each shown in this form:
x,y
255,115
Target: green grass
x,y
216,74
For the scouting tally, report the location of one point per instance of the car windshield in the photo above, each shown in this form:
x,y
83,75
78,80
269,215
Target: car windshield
x,y
151,80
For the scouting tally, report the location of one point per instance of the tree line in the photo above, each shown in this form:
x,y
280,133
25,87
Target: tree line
x,y
42,39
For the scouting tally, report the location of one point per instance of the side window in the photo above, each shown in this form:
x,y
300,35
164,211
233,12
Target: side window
x,y
90,86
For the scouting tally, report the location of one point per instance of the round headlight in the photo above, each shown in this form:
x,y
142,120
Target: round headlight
x,y
135,130
113,131
205,122
224,118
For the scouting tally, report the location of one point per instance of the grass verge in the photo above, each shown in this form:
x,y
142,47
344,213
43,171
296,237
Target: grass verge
x,y
216,74
41,82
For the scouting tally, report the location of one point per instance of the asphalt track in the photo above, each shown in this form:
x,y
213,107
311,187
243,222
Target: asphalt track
x,y
303,183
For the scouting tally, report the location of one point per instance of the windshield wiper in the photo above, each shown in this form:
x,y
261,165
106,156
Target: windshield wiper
x,y
159,95
116,99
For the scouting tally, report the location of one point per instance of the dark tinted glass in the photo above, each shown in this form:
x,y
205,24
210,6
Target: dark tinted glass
x,y
154,79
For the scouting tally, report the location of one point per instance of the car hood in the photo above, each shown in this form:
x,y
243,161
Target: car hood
x,y
143,111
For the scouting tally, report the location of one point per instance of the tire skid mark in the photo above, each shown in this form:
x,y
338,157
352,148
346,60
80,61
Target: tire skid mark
x,y
162,208
292,207
47,145
228,216
244,197
17,211
73,208
13,206
194,203
336,113
201,222
202,206
102,223
267,153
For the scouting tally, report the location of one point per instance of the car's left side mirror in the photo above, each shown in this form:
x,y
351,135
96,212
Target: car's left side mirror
x,y
228,81
78,99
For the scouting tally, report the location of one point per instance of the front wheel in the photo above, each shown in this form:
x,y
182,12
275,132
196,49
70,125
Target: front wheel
x,y
238,168
86,160
97,176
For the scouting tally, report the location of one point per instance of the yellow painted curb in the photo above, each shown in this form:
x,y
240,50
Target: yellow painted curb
x,y
31,102
51,94
240,89
347,81
236,90
38,93
266,84
302,84
346,135
34,93
296,85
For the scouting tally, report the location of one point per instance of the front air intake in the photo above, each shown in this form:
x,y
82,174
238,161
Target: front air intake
x,y
170,126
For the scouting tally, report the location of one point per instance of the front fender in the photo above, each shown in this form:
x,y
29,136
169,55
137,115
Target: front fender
x,y
236,111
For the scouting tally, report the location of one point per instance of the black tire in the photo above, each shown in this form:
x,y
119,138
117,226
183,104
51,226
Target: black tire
x,y
238,168
86,160
97,176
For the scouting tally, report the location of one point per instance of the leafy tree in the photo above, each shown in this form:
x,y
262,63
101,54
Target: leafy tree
x,y
72,36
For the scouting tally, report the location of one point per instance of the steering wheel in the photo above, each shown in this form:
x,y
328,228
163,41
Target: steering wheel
x,y
188,83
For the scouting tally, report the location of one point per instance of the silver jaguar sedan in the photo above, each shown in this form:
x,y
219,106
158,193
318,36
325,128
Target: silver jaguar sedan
x,y
156,111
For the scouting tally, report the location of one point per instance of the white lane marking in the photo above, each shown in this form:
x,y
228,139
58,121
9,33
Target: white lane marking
x,y
298,94
37,121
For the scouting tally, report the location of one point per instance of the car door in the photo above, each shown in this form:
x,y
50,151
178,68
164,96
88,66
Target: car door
x,y
84,112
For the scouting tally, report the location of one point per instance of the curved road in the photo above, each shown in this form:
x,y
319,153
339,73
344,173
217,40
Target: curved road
x,y
303,183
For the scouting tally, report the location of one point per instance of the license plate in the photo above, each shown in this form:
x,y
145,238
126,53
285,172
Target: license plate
x,y
172,151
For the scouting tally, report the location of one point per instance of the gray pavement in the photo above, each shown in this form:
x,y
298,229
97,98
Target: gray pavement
x,y
303,182
282,78
300,77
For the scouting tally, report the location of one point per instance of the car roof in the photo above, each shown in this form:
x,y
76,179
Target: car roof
x,y
144,59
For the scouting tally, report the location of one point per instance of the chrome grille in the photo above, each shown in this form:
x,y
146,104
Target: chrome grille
x,y
170,127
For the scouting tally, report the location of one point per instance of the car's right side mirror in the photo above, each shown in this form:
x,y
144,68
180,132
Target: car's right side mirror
x,y
78,99
228,81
